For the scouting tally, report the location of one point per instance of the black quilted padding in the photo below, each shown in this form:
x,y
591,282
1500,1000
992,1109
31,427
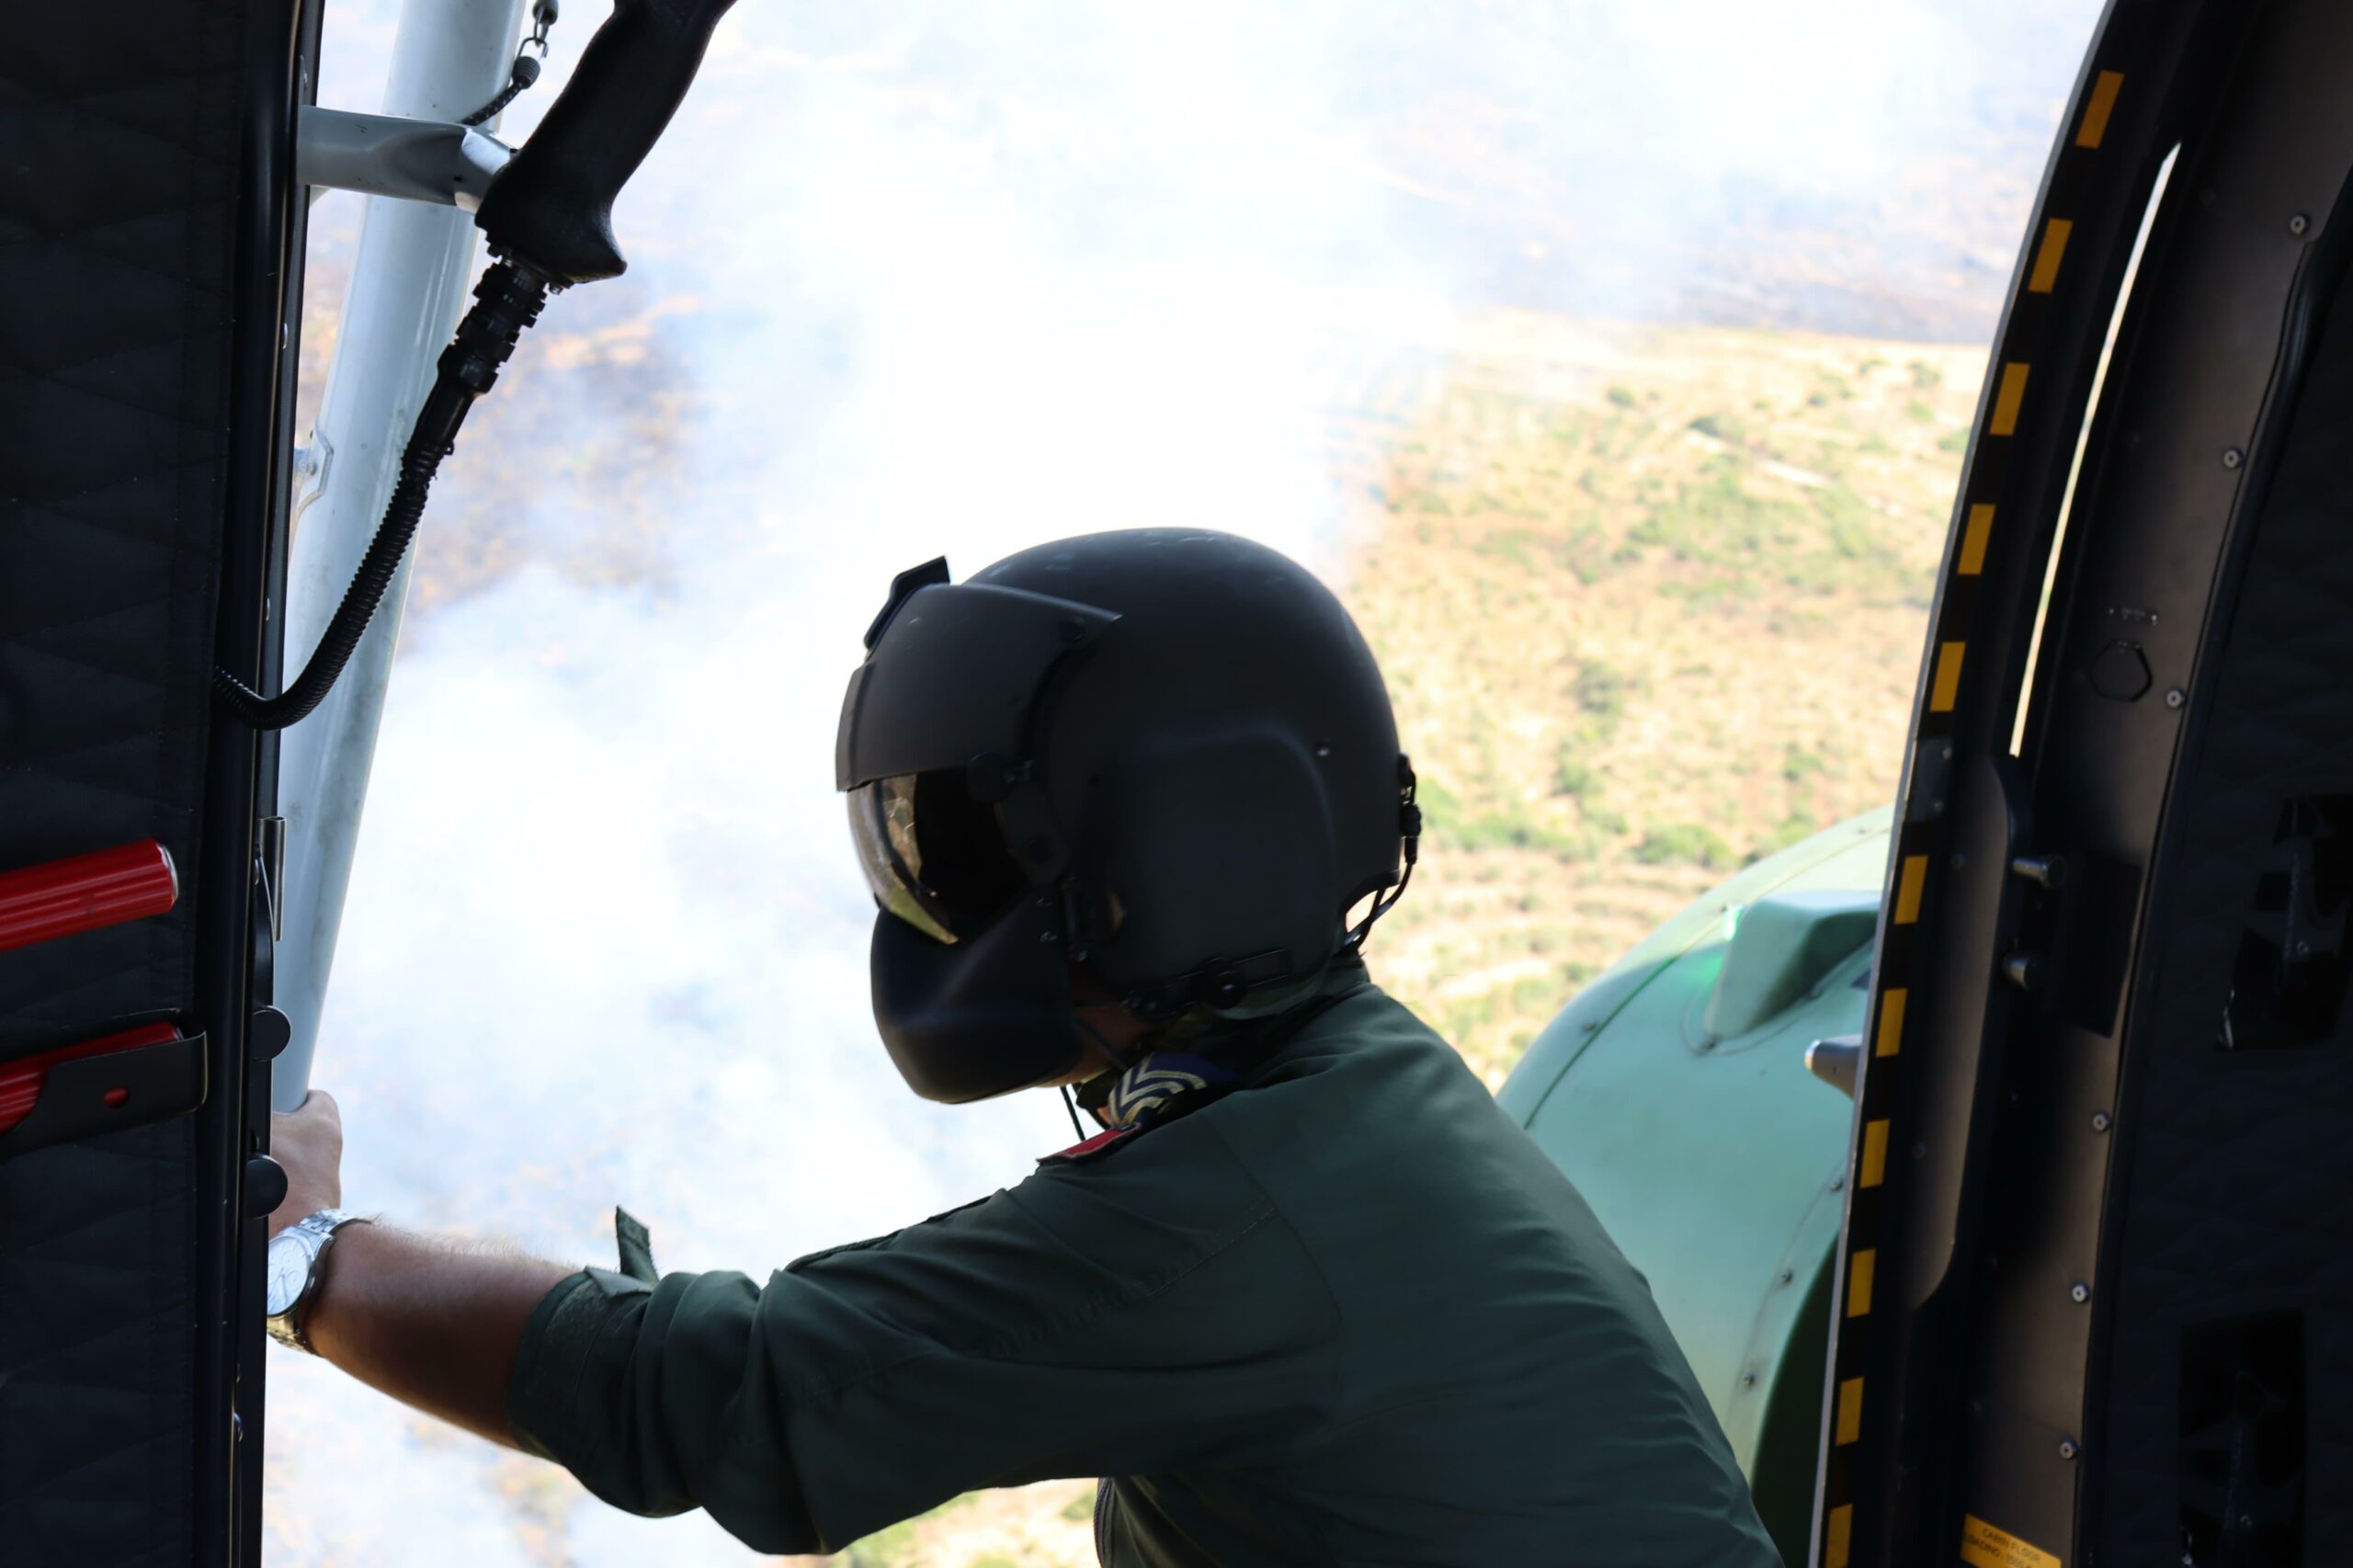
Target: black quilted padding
x,y
2240,1196
117,246
119,163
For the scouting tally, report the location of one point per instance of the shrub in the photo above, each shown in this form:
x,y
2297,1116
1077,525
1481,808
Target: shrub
x,y
1685,844
1574,776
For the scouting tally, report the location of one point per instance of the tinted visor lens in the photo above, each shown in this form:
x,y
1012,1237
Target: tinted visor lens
x,y
933,856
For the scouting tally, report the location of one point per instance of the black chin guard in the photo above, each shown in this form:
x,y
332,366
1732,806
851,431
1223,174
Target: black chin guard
x,y
985,1017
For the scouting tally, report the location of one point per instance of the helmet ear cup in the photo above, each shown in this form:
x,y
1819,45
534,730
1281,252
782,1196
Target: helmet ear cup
x,y
1218,848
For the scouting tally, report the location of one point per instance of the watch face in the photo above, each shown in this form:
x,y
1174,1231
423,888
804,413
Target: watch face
x,y
289,1265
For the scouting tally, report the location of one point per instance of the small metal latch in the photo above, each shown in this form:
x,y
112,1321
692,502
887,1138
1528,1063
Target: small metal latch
x,y
1836,1061
2042,870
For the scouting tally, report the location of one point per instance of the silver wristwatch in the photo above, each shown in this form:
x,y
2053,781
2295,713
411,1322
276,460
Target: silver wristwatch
x,y
293,1265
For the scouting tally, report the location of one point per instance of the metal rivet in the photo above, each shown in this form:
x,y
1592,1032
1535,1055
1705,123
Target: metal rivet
x,y
2233,456
1959,862
1838,1182
2066,1448
1919,1150
1787,1276
2099,1121
2175,696
2079,1291
2299,223
1747,1380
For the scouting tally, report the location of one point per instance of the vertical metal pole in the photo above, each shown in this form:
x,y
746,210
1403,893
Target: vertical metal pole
x,y
406,286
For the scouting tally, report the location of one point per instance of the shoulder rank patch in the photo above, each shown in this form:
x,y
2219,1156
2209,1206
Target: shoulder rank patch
x,y
1102,1143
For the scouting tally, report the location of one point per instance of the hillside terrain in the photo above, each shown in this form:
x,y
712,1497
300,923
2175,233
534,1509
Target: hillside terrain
x,y
1650,601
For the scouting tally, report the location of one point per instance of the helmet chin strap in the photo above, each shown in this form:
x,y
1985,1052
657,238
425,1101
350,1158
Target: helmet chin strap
x,y
1100,1038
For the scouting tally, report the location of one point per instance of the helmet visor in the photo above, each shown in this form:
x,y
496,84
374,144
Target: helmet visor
x,y
932,855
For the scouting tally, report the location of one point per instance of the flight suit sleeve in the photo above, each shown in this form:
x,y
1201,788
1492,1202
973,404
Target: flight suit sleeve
x,y
1150,1311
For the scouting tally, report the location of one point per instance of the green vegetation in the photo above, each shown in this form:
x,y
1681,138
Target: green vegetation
x,y
1723,427
1574,776
1081,1506
1601,693
1954,441
1797,827
1685,844
1924,375
1622,396
1918,412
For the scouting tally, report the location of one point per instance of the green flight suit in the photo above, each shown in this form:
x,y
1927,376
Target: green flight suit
x,y
1347,1313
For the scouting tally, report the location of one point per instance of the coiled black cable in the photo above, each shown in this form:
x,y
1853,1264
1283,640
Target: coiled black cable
x,y
507,299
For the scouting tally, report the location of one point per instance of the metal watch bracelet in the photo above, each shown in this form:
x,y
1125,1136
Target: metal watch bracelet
x,y
315,1234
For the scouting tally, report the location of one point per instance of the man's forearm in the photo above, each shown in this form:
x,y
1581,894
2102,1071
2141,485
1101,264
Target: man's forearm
x,y
430,1321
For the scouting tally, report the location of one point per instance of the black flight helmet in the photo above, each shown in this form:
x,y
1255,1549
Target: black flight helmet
x,y
1164,756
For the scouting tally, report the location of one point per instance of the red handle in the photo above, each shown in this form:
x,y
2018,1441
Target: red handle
x,y
130,881
21,1082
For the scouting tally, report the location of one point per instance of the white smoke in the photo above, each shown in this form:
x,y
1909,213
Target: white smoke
x,y
921,279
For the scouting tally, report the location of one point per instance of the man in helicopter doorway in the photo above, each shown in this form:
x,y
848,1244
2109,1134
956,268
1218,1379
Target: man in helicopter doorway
x,y
1130,804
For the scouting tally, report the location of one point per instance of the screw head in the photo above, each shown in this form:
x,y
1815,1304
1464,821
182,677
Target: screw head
x,y
2079,1291
2175,696
2066,1448
1747,1380
2299,223
2100,1121
1836,1183
2233,456
1787,1276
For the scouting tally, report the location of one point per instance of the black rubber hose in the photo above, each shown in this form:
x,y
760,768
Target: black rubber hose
x,y
507,300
